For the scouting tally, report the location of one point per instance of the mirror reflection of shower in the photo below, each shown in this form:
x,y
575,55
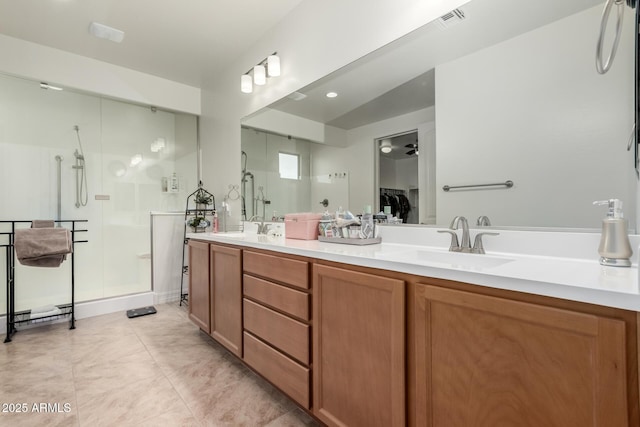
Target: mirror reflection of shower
x,y
82,196
247,177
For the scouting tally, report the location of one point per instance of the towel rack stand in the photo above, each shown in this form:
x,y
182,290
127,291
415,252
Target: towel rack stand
x,y
14,318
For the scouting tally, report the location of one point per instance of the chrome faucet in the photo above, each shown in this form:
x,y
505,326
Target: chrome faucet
x,y
262,227
465,245
483,221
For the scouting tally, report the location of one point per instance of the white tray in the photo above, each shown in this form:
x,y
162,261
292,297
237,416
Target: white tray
x,y
349,241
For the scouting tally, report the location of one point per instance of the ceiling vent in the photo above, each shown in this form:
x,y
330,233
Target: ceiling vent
x,y
451,18
296,96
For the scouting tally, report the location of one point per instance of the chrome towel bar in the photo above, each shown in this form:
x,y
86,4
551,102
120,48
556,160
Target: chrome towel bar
x,y
507,184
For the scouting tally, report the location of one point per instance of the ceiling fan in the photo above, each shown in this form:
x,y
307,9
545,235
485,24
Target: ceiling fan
x,y
414,149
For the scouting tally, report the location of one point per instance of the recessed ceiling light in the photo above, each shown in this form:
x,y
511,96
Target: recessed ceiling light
x,y
331,95
136,160
105,32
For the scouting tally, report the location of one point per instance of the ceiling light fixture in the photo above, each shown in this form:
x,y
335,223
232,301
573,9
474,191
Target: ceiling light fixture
x,y
246,83
331,94
273,65
268,67
259,75
385,146
105,32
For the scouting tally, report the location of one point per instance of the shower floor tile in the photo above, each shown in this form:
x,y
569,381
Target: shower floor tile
x,y
156,370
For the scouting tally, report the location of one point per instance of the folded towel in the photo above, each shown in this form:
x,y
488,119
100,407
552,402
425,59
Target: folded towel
x,y
42,223
43,309
42,247
56,311
45,261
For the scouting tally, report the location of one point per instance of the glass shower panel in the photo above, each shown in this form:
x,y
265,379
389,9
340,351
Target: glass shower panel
x,y
139,150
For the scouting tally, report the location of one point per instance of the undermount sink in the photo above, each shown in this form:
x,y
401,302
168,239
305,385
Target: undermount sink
x,y
232,235
449,259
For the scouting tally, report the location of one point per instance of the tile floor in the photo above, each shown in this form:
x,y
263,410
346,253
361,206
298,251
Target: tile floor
x,y
156,370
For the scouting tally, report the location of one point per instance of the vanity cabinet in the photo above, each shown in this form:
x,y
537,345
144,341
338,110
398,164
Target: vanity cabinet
x,y
199,288
277,320
358,348
226,296
486,361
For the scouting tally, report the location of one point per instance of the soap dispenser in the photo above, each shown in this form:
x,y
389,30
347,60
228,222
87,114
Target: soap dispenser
x,y
614,249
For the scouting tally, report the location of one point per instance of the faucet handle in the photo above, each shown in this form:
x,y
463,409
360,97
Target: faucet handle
x,y
477,243
455,245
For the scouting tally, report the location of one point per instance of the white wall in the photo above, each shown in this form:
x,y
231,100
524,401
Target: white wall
x,y
399,174
282,123
387,173
407,173
580,138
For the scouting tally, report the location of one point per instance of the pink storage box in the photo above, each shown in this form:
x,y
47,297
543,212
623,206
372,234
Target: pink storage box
x,y
303,226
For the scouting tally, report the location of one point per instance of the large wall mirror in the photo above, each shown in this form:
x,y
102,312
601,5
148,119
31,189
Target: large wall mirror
x,y
490,93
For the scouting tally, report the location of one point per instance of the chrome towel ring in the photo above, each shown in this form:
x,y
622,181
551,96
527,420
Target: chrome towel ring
x,y
601,67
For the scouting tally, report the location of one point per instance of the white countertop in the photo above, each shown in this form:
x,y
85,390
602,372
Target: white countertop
x,y
576,279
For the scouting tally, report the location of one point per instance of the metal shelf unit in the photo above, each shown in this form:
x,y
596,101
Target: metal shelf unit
x,y
14,318
190,212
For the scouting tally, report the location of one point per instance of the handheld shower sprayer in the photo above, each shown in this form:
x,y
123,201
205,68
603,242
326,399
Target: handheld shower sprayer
x,y
82,197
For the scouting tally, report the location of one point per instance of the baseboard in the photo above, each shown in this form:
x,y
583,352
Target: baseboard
x,y
166,297
100,307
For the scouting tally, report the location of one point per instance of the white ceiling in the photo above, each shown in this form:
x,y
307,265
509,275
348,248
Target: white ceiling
x,y
182,41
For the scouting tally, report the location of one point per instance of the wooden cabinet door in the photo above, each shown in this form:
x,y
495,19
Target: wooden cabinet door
x,y
358,348
226,297
487,361
199,311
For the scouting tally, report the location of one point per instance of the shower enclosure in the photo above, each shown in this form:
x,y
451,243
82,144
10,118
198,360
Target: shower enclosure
x,y
54,144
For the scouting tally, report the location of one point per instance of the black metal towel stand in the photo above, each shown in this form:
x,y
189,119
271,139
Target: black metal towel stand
x,y
14,318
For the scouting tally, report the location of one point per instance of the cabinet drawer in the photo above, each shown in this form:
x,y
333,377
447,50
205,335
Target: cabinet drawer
x,y
284,333
284,373
285,270
290,301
